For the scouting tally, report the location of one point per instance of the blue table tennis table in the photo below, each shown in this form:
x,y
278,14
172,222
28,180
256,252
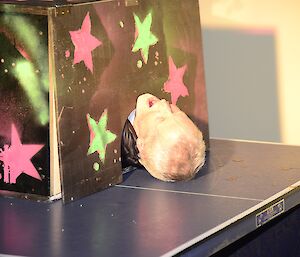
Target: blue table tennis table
x,y
242,187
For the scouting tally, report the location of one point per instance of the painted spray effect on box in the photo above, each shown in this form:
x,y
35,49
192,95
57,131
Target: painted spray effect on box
x,y
16,158
144,38
33,78
100,137
175,84
84,43
24,71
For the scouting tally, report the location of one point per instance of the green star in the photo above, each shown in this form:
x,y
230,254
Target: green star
x,y
100,137
144,38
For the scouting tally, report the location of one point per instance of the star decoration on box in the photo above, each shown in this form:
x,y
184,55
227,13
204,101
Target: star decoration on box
x,y
16,158
144,38
100,137
84,43
174,84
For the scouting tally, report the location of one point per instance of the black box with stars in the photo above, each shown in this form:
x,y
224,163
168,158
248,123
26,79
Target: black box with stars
x,y
70,74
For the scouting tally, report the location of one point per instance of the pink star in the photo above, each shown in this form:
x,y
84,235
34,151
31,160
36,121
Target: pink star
x,y
17,158
84,43
174,84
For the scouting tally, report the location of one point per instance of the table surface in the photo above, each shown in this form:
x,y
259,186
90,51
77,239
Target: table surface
x,y
146,217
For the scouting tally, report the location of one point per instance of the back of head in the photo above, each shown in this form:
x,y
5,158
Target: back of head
x,y
174,151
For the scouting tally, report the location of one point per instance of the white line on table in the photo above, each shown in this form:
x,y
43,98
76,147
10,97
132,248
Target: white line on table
x,y
189,193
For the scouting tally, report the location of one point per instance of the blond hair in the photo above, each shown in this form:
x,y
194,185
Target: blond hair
x,y
179,158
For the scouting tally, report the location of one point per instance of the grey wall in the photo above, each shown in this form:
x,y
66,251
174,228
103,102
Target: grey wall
x,y
240,70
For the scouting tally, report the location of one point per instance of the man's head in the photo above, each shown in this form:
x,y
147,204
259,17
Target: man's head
x,y
170,146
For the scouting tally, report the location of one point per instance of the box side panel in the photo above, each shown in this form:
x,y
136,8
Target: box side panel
x,y
102,69
24,110
88,133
